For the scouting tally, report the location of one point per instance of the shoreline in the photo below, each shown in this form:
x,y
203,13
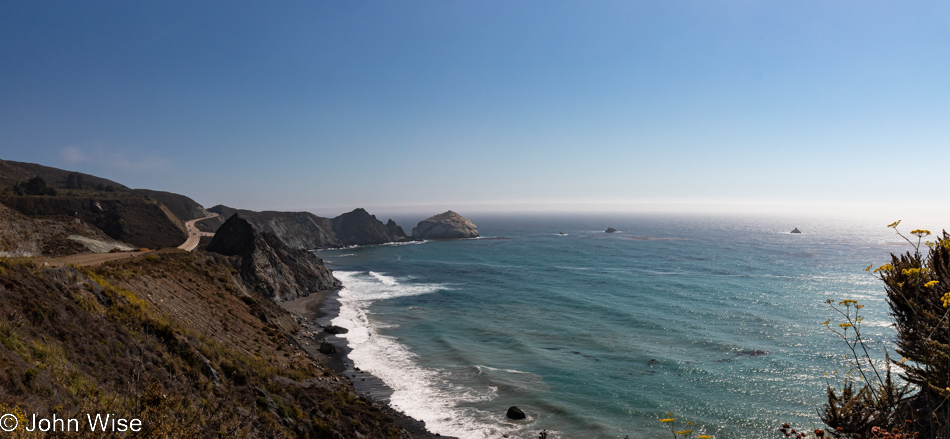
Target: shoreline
x,y
314,313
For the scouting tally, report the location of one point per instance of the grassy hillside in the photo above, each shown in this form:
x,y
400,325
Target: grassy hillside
x,y
175,340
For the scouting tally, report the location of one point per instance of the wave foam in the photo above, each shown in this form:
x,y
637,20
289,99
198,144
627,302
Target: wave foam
x,y
421,393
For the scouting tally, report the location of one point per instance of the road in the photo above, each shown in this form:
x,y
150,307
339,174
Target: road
x,y
194,235
83,259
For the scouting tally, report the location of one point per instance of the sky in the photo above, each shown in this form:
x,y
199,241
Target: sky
x,y
326,106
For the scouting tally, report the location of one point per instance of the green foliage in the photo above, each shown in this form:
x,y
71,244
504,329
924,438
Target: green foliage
x,y
33,186
870,403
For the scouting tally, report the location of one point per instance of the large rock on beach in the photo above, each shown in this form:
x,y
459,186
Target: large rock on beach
x,y
448,225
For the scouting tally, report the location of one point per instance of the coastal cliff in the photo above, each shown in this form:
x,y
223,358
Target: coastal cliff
x,y
192,343
360,228
306,231
268,265
446,225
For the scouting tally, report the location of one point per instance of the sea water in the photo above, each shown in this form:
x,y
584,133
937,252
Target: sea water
x,y
597,335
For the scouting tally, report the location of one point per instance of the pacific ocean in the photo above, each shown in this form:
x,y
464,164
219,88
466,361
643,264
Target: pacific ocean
x,y
600,335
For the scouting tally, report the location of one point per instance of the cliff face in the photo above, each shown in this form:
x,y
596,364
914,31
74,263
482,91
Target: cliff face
x,y
301,230
447,225
268,265
182,207
50,236
304,230
133,219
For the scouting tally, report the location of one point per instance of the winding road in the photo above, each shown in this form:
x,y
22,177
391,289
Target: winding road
x,y
194,235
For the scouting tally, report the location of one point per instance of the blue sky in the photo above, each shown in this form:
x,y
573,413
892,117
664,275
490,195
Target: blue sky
x,y
488,105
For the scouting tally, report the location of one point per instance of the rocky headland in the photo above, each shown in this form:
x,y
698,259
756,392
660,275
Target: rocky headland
x,y
446,225
268,265
304,230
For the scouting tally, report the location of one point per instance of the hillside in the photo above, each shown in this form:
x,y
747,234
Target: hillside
x,y
50,236
176,340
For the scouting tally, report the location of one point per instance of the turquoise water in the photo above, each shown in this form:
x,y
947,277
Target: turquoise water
x,y
598,335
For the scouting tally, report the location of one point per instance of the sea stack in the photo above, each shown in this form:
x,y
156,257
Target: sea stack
x,y
448,225
795,230
610,230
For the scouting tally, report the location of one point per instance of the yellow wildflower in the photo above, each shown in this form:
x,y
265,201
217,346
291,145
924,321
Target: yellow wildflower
x,y
885,267
704,436
920,233
848,302
845,325
684,432
667,420
911,271
931,283
946,300
894,224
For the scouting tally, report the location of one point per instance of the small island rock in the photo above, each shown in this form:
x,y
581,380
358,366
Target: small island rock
x,y
448,225
515,413
610,230
796,230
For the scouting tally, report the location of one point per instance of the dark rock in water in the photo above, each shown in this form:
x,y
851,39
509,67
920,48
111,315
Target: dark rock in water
x,y
327,348
610,230
795,230
267,265
751,353
335,330
448,225
515,413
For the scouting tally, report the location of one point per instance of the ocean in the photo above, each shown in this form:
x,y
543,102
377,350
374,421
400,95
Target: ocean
x,y
597,335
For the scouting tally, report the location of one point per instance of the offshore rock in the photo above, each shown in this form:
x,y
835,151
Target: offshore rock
x,y
268,265
610,230
796,230
515,413
448,225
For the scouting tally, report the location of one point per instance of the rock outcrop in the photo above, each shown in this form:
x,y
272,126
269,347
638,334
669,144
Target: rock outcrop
x,y
515,413
50,236
448,225
795,230
360,228
610,230
268,265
